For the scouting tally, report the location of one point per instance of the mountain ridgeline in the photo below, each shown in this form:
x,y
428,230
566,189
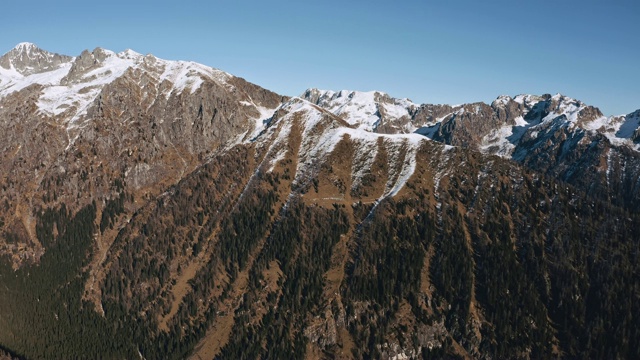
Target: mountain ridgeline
x,y
164,209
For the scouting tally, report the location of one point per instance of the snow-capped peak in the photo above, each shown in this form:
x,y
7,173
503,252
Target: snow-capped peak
x,y
129,54
71,84
362,109
502,100
26,59
25,46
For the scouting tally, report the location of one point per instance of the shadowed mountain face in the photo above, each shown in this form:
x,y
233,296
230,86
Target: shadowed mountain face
x,y
169,210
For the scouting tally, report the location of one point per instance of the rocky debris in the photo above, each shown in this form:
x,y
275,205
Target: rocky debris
x,y
323,331
427,337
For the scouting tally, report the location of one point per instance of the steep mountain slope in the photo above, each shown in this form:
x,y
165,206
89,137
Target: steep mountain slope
x,y
202,216
106,126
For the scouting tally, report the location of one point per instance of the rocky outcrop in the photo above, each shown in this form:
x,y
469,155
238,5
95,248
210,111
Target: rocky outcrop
x,y
83,64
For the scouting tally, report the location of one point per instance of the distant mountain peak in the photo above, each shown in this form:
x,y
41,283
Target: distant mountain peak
x,y
25,46
362,109
71,84
27,58
130,54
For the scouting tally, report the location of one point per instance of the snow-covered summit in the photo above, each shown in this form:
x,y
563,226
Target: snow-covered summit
x,y
362,109
129,54
71,84
25,46
27,59
495,128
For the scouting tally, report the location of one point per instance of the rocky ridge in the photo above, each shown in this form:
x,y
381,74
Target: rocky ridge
x,y
556,135
494,128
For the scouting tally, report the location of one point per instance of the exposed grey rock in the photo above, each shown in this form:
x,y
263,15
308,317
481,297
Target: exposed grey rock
x,y
84,63
28,59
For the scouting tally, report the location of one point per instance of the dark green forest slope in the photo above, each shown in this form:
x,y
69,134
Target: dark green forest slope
x,y
493,262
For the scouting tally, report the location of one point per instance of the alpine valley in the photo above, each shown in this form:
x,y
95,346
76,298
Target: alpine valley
x,y
164,209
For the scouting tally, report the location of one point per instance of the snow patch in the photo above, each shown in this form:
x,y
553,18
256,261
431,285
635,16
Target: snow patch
x,y
317,145
407,170
12,81
497,142
260,122
442,170
528,101
601,122
362,109
520,121
58,97
502,100
363,159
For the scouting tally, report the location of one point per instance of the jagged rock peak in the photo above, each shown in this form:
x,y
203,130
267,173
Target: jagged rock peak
x,y
25,47
315,95
129,54
70,84
27,58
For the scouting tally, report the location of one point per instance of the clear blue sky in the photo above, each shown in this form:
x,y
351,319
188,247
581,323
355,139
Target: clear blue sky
x,y
451,51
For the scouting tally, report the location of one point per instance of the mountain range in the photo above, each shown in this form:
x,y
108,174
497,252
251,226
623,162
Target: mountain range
x,y
166,209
